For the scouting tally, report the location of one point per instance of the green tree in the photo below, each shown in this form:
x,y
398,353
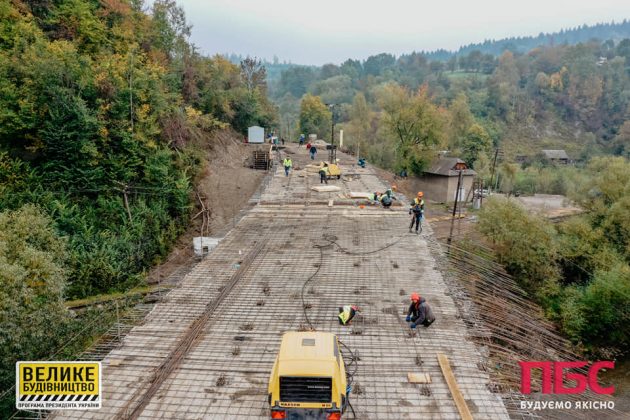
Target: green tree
x,y
254,75
605,308
296,80
503,87
170,28
461,120
508,173
476,142
377,64
32,283
524,242
334,90
359,126
315,117
417,125
621,142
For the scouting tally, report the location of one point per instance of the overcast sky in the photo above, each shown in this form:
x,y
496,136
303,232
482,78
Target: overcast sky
x,y
330,31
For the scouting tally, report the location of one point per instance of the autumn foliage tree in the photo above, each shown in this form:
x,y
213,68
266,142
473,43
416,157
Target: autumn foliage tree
x,y
415,122
315,117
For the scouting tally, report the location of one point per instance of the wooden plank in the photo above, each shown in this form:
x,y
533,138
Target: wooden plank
x,y
418,378
326,188
357,194
462,407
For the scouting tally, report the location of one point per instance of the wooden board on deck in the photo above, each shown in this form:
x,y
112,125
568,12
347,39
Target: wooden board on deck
x,y
326,188
418,378
356,194
460,402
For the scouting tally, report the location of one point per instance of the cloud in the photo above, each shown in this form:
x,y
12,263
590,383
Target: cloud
x,y
332,31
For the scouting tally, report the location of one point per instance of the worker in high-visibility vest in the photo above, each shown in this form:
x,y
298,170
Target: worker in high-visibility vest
x,y
323,173
346,313
287,165
375,196
417,210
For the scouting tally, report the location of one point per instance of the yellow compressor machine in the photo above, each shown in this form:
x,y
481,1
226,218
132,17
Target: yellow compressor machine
x,y
308,379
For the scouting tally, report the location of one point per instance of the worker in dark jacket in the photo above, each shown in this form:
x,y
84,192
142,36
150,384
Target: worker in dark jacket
x,y
346,313
419,312
387,198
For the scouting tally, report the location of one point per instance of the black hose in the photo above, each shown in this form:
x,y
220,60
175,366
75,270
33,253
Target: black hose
x,y
346,251
332,240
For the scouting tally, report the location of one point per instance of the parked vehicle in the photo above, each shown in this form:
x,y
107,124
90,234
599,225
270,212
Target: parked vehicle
x,y
308,379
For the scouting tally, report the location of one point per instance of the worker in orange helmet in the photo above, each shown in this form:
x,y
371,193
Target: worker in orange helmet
x,y
419,312
346,313
417,210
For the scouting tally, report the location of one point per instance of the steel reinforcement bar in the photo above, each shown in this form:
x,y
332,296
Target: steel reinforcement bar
x,y
187,342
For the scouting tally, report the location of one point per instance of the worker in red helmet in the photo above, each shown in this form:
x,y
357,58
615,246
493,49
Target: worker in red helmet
x,y
346,313
419,312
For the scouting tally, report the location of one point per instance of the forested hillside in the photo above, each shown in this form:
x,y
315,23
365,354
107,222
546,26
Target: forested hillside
x,y
523,44
105,112
567,97
401,112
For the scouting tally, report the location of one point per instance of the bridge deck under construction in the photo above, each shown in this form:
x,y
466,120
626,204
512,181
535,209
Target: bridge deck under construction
x,y
207,349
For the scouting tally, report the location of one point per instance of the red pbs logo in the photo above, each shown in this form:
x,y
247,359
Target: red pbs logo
x,y
556,374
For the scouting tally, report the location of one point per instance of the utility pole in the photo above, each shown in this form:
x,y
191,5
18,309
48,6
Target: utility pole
x,y
494,164
333,151
459,183
131,92
124,189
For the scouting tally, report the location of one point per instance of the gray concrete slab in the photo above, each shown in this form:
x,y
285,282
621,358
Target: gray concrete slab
x,y
374,263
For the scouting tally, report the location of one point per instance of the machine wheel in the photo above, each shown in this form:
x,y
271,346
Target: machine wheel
x,y
338,176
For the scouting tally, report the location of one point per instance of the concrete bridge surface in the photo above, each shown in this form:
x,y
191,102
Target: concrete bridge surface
x,y
206,350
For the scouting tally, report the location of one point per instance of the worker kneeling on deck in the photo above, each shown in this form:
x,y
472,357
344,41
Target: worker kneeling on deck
x,y
419,312
346,313
387,198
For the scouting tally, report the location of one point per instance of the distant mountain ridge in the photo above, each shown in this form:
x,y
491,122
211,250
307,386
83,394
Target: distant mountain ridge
x,y
522,44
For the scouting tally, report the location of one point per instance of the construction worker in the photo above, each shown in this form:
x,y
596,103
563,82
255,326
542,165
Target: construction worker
x,y
287,165
387,198
302,139
417,210
346,313
419,312
313,151
374,197
323,173
390,191
361,162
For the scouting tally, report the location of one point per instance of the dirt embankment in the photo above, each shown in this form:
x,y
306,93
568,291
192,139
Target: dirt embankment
x,y
225,184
